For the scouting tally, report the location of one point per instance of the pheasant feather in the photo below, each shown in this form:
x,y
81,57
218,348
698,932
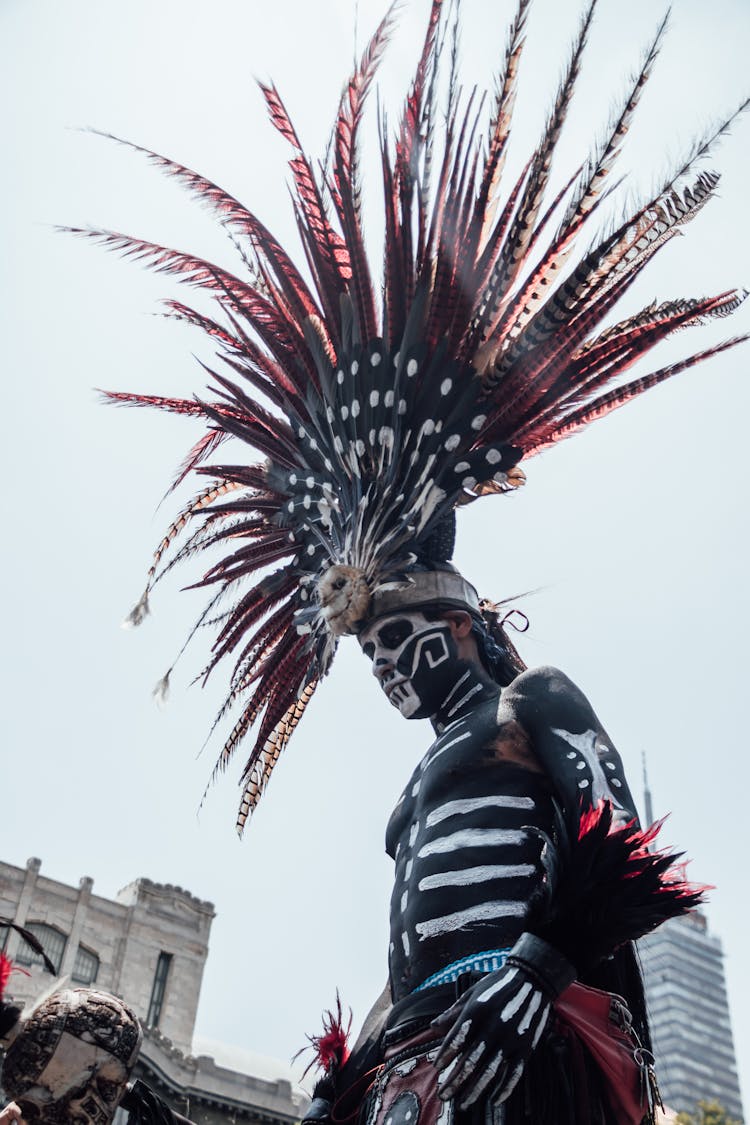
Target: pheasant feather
x,y
365,402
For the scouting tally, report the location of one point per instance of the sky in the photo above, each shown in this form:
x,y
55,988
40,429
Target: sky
x,y
635,533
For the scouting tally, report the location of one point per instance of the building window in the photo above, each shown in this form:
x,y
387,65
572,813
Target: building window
x,y
158,989
52,941
85,967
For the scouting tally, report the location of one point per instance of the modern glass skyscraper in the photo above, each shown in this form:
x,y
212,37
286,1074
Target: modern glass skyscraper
x,y
683,967
687,1002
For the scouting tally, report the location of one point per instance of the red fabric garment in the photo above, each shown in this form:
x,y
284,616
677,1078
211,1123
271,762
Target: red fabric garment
x,y
595,1018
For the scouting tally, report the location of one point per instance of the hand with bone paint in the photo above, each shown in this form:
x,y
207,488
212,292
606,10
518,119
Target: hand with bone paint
x,y
494,1028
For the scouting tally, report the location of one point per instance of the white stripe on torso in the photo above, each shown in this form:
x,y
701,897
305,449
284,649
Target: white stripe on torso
x,y
454,808
471,838
485,912
471,875
440,749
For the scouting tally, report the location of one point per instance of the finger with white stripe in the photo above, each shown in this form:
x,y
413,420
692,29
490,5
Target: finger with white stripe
x,y
530,1012
450,1085
515,1003
510,1083
482,1082
504,980
540,1027
452,1043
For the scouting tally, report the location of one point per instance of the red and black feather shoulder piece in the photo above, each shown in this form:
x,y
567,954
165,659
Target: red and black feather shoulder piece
x,y
613,886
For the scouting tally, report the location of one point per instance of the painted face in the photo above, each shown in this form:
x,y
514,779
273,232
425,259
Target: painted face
x,y
414,660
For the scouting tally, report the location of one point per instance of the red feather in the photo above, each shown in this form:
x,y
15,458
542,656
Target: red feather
x,y
332,1047
6,968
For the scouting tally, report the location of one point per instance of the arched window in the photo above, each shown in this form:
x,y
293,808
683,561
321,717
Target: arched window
x,y
85,966
53,943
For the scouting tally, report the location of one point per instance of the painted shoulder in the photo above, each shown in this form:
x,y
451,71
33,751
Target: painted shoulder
x,y
569,741
544,695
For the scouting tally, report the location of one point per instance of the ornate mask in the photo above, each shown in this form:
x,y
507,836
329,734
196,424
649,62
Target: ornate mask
x,y
72,1058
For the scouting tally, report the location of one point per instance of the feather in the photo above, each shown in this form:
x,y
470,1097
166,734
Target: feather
x,y
6,968
358,430
233,214
614,887
603,160
331,1046
30,938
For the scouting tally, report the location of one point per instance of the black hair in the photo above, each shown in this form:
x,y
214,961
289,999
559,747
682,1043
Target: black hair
x,y
498,654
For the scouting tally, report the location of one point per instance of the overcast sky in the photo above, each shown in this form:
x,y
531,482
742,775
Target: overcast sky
x,y
636,531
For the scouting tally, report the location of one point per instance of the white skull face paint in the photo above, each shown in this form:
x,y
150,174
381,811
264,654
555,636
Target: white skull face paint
x,y
410,655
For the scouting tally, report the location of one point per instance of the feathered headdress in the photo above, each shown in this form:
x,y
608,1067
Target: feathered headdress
x,y
368,407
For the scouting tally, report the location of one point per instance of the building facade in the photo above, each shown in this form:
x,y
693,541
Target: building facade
x,y
686,993
148,946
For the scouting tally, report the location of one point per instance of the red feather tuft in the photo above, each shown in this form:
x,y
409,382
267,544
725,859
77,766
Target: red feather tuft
x,y
332,1046
6,968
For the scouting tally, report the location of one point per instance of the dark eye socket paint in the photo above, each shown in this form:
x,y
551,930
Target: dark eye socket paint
x,y
395,633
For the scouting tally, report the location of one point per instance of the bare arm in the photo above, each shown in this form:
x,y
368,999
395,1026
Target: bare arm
x,y
569,742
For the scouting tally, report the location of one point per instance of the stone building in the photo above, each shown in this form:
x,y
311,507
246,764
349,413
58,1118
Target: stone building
x,y
149,946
